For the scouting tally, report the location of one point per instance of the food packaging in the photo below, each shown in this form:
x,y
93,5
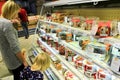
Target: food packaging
x,y
69,55
97,50
70,76
78,60
103,75
56,30
83,41
61,50
66,36
76,21
104,29
89,69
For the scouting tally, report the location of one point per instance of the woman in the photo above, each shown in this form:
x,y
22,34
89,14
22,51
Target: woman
x,y
9,45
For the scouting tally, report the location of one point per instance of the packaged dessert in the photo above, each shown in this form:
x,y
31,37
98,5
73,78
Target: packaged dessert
x,y
104,29
78,60
66,36
49,28
43,37
58,17
50,41
90,69
68,19
57,63
89,23
70,76
83,41
61,49
97,50
114,61
77,36
103,75
56,44
76,21
56,30
69,55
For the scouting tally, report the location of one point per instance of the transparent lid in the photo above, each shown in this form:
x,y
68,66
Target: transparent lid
x,y
96,48
115,51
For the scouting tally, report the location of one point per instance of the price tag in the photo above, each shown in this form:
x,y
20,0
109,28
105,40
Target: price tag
x,y
101,40
119,27
69,30
62,27
75,32
55,40
94,30
90,49
115,65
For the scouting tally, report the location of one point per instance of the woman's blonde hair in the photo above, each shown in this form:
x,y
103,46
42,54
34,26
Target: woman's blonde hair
x,y
42,61
10,9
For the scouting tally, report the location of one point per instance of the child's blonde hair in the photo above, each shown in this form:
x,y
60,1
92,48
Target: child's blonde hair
x,y
10,9
42,61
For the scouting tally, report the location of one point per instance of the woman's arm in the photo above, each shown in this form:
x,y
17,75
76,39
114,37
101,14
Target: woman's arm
x,y
13,42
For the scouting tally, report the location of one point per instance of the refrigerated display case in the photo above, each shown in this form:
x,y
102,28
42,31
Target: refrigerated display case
x,y
84,67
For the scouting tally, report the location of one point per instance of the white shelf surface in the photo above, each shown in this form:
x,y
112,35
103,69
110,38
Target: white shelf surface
x,y
69,2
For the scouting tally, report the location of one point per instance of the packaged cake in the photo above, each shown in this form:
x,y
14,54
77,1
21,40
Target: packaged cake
x,y
69,54
97,50
78,60
90,69
56,30
66,36
83,41
104,29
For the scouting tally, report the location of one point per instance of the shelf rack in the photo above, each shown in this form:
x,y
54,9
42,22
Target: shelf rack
x,y
101,64
74,30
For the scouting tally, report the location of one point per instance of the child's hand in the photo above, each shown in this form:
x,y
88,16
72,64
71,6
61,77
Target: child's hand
x,y
23,52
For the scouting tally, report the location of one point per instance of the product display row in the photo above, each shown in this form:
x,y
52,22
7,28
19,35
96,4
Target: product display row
x,y
87,57
81,47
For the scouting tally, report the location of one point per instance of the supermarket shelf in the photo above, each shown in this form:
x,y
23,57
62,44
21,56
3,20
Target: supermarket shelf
x,y
68,65
101,64
77,50
68,28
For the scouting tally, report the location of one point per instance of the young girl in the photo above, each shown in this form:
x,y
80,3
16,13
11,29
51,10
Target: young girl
x,y
34,72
